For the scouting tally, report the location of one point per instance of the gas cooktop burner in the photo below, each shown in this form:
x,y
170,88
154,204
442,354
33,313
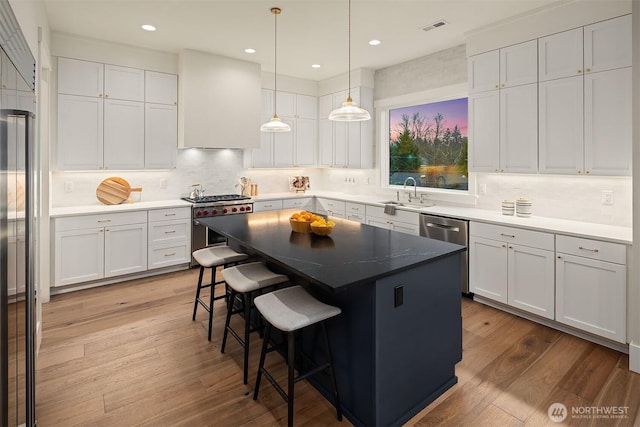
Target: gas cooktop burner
x,y
218,198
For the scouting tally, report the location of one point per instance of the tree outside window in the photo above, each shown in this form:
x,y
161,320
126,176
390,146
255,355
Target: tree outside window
x,y
429,143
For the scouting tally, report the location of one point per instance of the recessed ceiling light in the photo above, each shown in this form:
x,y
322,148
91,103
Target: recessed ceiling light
x,y
374,42
315,66
249,50
148,27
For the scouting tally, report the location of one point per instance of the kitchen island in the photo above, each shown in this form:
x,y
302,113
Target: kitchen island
x,y
399,336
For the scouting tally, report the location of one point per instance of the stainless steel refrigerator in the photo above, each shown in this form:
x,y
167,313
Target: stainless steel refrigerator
x,y
19,177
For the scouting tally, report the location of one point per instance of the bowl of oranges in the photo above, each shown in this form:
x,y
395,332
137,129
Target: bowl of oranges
x,y
322,227
301,221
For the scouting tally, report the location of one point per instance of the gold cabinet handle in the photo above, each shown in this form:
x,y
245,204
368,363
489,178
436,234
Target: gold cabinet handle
x,y
508,235
171,254
104,220
579,71
100,95
171,214
587,249
559,257
497,86
587,70
510,247
170,232
588,172
579,172
504,246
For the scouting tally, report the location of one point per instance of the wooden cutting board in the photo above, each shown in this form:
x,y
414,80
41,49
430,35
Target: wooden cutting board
x,y
114,190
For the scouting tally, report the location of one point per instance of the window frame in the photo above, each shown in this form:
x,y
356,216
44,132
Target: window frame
x,y
383,106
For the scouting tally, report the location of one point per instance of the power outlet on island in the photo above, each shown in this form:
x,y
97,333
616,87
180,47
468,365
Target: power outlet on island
x,y
607,197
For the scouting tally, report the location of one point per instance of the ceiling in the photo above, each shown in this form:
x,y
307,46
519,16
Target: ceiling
x,y
309,31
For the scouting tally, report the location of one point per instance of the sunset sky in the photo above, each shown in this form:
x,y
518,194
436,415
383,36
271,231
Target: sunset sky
x,y
454,112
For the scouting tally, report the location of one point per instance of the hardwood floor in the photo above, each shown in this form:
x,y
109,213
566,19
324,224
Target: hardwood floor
x,y
128,354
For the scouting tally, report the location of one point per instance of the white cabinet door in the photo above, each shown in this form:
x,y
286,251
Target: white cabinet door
x,y
79,256
283,143
306,142
125,249
519,64
608,122
340,136
325,142
488,268
484,131
80,132
484,72
123,83
285,104
123,134
531,281
378,222
607,44
77,77
267,205
591,295
305,203
519,129
405,227
561,146
263,157
160,136
160,88
356,217
307,107
560,55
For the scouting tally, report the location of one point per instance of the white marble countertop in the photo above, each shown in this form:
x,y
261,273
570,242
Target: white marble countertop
x,y
609,233
99,208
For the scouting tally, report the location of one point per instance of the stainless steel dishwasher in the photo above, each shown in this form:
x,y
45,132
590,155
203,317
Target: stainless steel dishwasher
x,y
449,230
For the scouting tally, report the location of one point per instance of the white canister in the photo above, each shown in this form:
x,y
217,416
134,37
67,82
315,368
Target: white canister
x,y
508,207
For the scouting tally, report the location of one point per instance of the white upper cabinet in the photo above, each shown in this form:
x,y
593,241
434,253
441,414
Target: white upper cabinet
x,y
287,149
80,132
484,131
484,72
510,66
560,55
160,88
123,134
607,45
608,122
123,83
561,124
104,121
160,136
83,78
519,64
519,129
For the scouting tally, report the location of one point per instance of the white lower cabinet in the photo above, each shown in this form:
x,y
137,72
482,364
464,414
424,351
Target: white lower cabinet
x,y
169,237
513,266
591,286
125,249
267,205
403,221
304,203
92,247
331,207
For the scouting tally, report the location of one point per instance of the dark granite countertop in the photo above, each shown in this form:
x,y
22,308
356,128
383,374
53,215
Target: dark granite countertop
x,y
353,254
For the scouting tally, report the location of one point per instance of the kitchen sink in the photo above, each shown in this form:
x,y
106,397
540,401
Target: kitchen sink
x,y
391,202
410,204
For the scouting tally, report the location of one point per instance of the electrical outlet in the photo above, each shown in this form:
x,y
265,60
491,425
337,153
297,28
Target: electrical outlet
x,y
163,183
68,186
607,197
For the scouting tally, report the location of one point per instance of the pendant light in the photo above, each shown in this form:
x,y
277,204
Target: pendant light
x,y
275,124
349,111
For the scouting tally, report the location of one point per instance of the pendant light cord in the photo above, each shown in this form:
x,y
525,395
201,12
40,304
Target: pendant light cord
x,y
349,61
275,59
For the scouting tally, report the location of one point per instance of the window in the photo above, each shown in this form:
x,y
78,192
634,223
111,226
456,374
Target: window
x,y
428,142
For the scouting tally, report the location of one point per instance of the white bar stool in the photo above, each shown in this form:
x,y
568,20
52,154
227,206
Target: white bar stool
x,y
289,310
213,257
244,281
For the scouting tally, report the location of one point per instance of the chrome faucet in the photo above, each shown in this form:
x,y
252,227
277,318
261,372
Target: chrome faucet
x,y
415,187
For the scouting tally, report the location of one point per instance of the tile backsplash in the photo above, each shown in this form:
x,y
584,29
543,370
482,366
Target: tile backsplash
x,y
218,171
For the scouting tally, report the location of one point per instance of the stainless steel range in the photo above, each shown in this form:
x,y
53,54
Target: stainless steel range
x,y
208,206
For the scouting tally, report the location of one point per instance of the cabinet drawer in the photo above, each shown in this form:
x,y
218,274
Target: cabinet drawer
x,y
336,207
169,214
166,255
101,220
593,249
402,216
166,231
355,208
535,239
297,203
267,205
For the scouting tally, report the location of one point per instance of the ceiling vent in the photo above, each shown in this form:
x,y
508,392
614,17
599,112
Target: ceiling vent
x,y
439,23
